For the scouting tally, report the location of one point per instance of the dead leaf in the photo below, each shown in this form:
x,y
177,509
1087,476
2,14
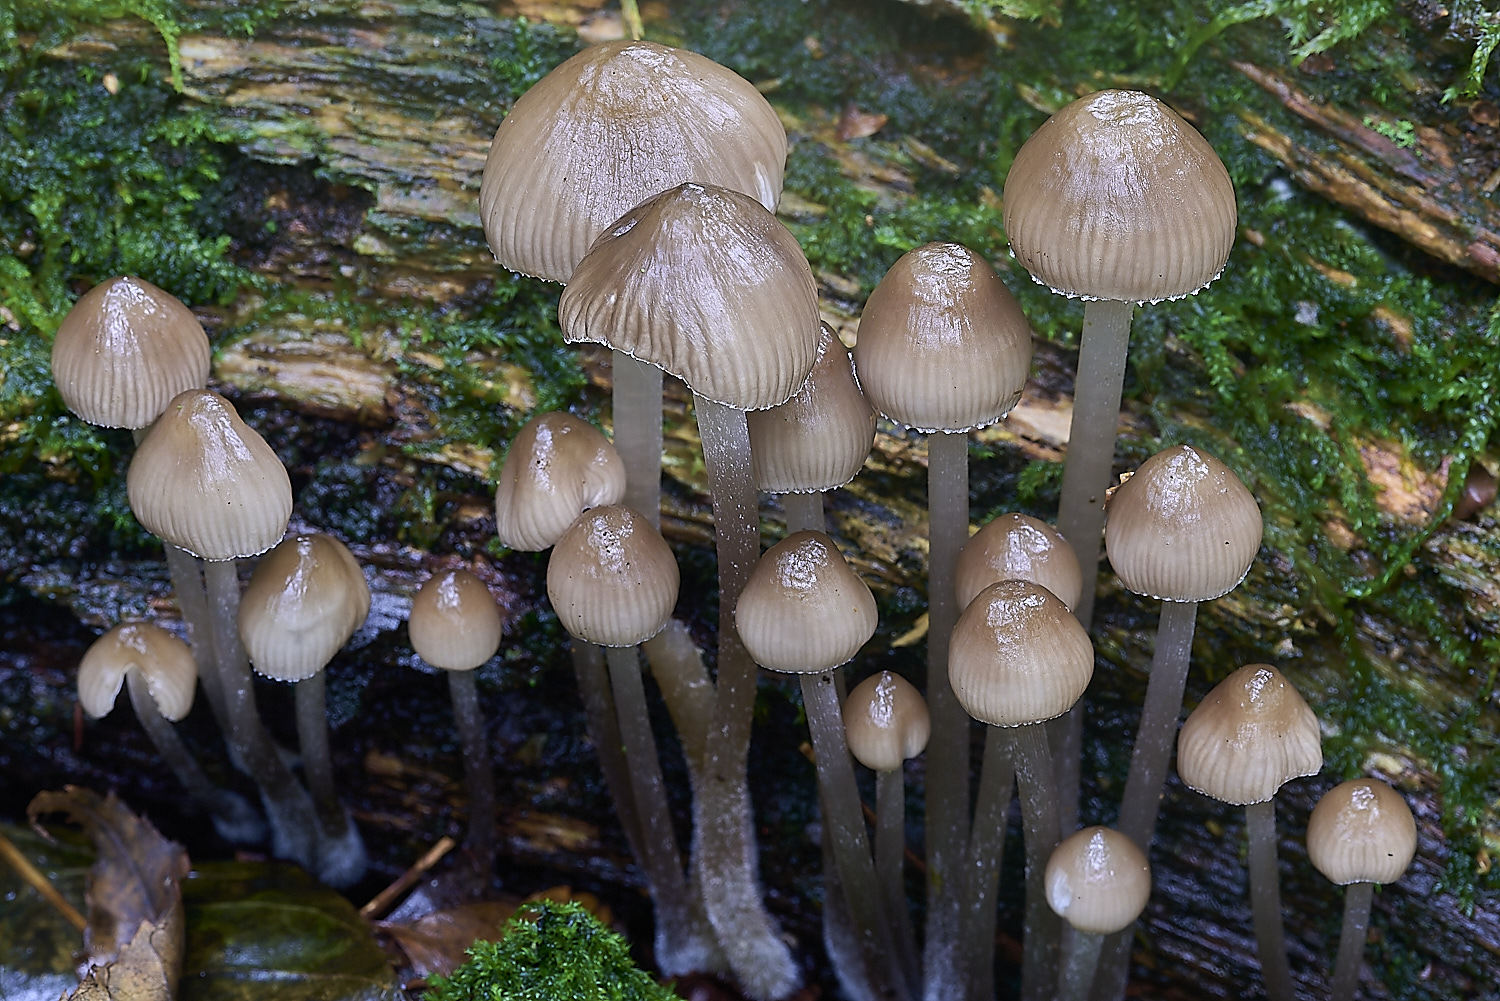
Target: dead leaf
x,y
857,124
437,943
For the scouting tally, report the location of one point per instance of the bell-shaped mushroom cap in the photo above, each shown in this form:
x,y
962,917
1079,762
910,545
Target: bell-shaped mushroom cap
x,y
1183,528
608,129
707,285
455,622
124,350
1361,832
205,482
943,345
885,722
819,439
1018,547
1116,197
1251,735
305,599
1098,881
163,660
804,610
557,468
612,578
1018,656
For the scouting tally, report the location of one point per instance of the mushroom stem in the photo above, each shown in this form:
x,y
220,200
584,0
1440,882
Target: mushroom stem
x,y
1034,779
948,750
636,397
317,763
840,937
890,854
722,820
804,512
677,666
986,849
233,818
604,735
1078,966
1357,899
478,775
1265,902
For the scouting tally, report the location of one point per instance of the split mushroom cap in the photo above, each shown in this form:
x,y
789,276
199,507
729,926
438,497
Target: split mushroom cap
x,y
304,601
124,350
707,285
885,722
1018,656
608,129
612,578
455,622
804,610
1018,547
558,467
205,482
162,659
819,439
1361,832
1098,881
1116,197
1183,528
1250,736
943,345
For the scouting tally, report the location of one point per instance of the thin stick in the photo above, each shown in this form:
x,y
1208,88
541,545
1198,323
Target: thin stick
x,y
479,775
40,883
1034,778
986,851
382,901
636,397
804,512
1357,899
1265,902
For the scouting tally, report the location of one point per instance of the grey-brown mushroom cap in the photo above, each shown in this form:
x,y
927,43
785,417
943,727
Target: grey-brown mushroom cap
x,y
820,438
204,481
1018,547
609,128
455,622
943,345
1098,881
558,467
124,350
886,721
1361,831
1183,528
612,578
707,285
305,599
162,659
804,610
1116,197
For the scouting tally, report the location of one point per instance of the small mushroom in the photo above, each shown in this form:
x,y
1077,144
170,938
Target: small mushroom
x,y
558,467
1098,881
1018,547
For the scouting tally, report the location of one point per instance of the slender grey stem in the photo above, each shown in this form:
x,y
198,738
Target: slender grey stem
x,y
1065,734
317,762
1265,902
840,938
1357,899
1034,780
804,512
948,750
677,665
986,850
722,819
636,397
890,875
479,778
1078,966
604,734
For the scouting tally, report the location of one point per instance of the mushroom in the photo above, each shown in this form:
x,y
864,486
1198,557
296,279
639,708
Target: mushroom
x,y
1360,833
943,348
1018,547
305,599
558,467
1251,735
1098,881
160,672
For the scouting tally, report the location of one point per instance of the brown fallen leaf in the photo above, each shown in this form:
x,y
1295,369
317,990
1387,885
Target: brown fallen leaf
x,y
856,124
437,943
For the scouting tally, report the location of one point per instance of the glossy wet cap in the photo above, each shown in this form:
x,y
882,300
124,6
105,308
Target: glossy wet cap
x,y
1183,528
305,599
886,721
1116,197
804,610
558,467
1361,832
1018,656
1098,881
609,128
162,659
943,345
1018,547
612,578
819,439
455,622
1249,737
205,482
124,350
707,285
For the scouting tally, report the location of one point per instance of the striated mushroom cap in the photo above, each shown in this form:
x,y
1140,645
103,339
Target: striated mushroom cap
x,y
1250,736
1183,528
1098,881
162,659
885,722
124,350
1116,197
804,610
558,467
612,578
943,345
455,622
707,285
205,482
1018,547
1361,832
304,601
606,130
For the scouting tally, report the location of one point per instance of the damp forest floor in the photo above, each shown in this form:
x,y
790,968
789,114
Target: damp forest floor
x,y
305,176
